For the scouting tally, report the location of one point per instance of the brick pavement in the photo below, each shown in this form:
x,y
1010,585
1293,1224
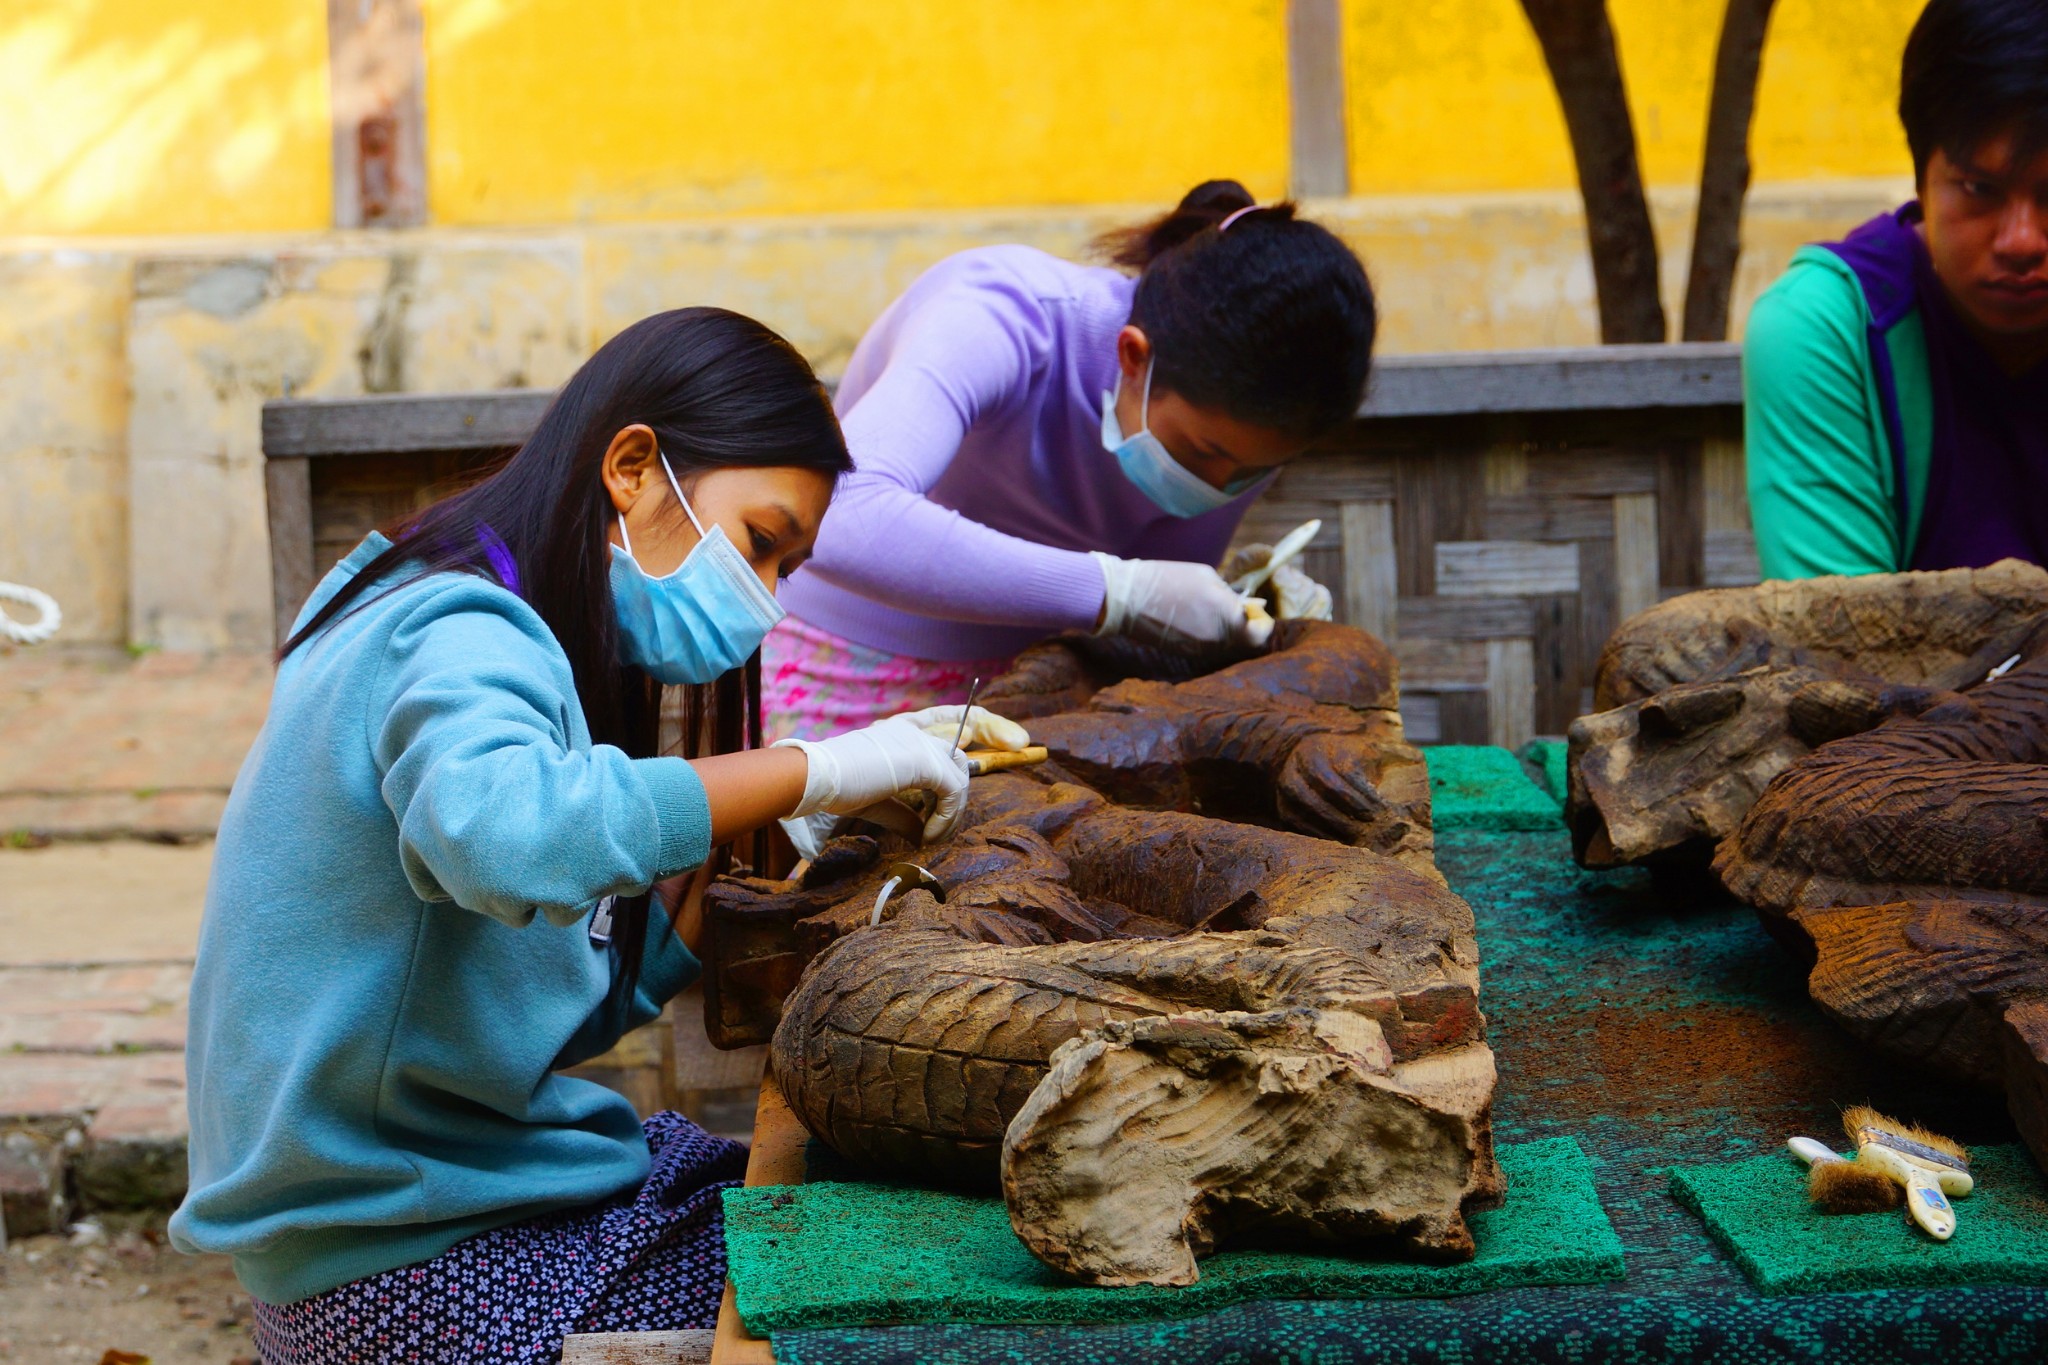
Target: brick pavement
x,y
94,744
96,940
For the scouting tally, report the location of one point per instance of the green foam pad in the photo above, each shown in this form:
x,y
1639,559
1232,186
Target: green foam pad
x,y
842,1254
1546,757
1477,786
1758,1210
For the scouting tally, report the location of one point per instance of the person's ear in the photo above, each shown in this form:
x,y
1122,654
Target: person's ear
x,y
629,464
1133,353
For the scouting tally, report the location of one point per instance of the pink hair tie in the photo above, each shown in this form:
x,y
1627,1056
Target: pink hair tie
x,y
1224,226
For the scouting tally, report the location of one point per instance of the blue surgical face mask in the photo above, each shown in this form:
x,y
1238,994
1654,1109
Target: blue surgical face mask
x,y
705,619
1147,463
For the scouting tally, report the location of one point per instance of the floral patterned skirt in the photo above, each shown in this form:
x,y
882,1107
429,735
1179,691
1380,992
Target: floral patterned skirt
x,y
652,1262
815,684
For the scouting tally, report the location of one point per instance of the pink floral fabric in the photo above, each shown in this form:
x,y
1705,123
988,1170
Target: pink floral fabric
x,y
814,684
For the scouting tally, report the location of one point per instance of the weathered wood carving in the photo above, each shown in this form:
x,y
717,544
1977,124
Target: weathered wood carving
x,y
1107,959
1701,701
1212,992
1306,737
1910,865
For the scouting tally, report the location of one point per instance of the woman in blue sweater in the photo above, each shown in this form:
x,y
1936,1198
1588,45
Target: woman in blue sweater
x,y
451,866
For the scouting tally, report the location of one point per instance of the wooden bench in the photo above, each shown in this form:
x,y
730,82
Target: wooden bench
x,y
1493,515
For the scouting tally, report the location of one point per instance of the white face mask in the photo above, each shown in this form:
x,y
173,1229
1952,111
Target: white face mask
x,y
1147,463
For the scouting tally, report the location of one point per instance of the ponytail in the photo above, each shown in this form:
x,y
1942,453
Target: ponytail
x,y
1250,309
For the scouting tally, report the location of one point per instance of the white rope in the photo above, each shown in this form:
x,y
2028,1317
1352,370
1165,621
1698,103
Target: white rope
x,y
49,617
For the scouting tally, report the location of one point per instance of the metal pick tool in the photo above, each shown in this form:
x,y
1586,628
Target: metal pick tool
x,y
972,692
909,877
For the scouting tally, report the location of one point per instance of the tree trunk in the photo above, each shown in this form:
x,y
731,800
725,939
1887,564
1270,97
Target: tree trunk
x,y
1578,47
1724,175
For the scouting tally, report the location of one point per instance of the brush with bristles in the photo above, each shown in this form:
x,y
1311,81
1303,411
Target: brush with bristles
x,y
1930,1167
1835,1184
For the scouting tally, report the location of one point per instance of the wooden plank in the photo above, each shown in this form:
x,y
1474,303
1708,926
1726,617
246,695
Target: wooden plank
x,y
1534,516
1560,659
1322,477
1510,693
376,62
1464,618
1441,665
1731,559
288,500
1370,574
1596,599
637,1348
1635,554
1593,471
1268,520
1505,568
400,423
1321,162
1506,471
1724,484
1700,377
1593,378
1681,549
1462,717
1421,716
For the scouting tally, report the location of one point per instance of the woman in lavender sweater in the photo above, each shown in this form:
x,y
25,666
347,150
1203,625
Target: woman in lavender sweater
x,y
1041,446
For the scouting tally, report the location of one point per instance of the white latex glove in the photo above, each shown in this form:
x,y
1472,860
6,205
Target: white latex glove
x,y
852,772
1166,602
985,729
1295,596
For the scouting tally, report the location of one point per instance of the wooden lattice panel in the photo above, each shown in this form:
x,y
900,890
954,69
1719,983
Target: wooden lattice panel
x,y
1497,555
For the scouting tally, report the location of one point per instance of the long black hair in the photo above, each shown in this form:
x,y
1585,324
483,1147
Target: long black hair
x,y
718,390
1270,319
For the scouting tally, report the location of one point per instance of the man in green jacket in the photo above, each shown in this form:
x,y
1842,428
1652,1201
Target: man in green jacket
x,y
1896,382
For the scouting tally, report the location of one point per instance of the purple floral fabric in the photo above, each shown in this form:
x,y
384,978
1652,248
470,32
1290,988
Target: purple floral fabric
x,y
654,1262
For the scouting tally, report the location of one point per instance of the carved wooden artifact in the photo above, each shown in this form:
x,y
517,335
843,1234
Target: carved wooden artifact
x,y
1702,700
1306,737
1910,865
1124,1010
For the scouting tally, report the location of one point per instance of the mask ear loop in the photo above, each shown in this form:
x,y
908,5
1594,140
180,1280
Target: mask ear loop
x,y
1145,402
626,538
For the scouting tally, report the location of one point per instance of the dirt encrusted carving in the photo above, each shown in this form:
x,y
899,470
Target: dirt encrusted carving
x,y
1155,1029
1701,701
1909,865
1306,737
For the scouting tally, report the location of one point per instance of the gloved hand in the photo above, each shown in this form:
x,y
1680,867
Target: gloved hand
x,y
1294,595
853,772
1166,602
985,729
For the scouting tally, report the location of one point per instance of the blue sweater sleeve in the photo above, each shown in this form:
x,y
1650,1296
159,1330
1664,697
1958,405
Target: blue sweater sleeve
x,y
495,808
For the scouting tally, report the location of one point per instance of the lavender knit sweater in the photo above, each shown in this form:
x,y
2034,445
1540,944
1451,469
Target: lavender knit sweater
x,y
973,408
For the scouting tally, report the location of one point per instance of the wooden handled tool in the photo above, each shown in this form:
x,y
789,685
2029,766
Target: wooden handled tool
x,y
980,761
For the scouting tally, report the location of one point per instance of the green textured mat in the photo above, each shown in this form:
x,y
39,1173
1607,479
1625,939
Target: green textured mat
x,y
1546,759
1758,1210
843,1254
1658,1026
1476,786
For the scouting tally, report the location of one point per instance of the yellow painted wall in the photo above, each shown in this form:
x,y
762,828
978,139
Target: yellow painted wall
x,y
163,116
552,110
186,116
1451,95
